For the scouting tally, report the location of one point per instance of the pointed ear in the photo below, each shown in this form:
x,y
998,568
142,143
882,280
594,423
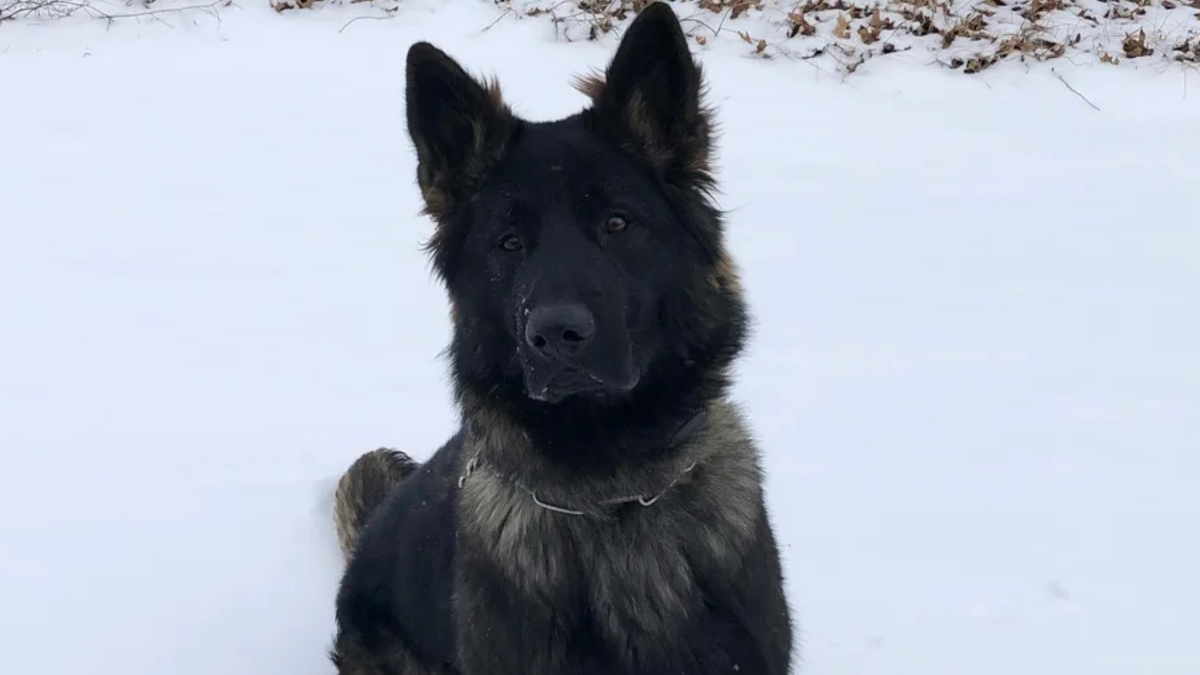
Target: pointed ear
x,y
650,98
459,126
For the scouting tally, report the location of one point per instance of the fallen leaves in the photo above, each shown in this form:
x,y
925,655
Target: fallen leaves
x,y
1187,50
799,25
970,37
1135,45
842,29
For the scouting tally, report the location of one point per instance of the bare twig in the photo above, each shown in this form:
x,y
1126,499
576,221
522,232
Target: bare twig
x,y
57,9
209,7
360,18
40,9
1074,90
498,19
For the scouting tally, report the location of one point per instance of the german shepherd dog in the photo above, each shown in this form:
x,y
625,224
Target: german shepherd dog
x,y
600,509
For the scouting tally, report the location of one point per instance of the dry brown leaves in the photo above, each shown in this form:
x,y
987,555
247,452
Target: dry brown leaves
x,y
969,37
736,8
1187,50
977,35
1135,45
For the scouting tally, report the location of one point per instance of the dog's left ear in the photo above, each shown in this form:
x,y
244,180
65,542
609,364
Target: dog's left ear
x,y
650,97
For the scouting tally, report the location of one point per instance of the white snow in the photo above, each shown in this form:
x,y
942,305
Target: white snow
x,y
975,373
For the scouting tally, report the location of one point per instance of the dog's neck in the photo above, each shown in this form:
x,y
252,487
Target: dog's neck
x,y
637,472
602,509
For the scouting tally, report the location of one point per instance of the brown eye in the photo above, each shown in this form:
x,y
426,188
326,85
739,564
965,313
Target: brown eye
x,y
616,224
511,242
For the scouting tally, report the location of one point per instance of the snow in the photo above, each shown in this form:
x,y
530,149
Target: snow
x,y
974,373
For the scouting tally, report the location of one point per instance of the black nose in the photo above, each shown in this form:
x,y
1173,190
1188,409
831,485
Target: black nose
x,y
559,331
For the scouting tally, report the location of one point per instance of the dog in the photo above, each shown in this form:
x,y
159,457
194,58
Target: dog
x,y
600,508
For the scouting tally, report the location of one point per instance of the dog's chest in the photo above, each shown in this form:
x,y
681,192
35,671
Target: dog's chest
x,y
634,574
638,572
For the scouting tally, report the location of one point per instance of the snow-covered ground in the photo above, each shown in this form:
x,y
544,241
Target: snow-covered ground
x,y
975,374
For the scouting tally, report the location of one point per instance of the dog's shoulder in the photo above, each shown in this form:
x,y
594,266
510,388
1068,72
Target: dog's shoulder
x,y
726,499
400,581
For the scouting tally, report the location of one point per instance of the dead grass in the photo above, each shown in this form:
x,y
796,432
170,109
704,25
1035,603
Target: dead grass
x,y
966,36
11,10
110,11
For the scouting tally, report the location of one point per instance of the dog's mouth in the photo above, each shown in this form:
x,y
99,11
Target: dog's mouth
x,y
563,355
552,384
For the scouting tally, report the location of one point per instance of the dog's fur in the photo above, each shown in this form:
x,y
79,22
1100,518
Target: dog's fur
x,y
600,509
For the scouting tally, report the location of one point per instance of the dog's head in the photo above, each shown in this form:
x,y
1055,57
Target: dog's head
x,y
583,258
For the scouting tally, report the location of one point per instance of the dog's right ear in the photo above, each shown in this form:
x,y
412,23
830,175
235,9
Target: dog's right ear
x,y
459,126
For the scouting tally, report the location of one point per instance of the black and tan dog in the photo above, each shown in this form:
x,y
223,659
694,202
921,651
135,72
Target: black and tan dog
x,y
601,508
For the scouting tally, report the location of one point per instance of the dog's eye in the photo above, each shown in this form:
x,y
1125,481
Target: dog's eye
x,y
511,242
616,223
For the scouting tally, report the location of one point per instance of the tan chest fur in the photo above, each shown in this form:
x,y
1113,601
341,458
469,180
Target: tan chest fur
x,y
637,570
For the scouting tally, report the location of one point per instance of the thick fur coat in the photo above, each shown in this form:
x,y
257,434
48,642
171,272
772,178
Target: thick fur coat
x,y
601,508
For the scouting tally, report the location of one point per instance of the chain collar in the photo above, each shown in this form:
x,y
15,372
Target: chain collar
x,y
688,429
